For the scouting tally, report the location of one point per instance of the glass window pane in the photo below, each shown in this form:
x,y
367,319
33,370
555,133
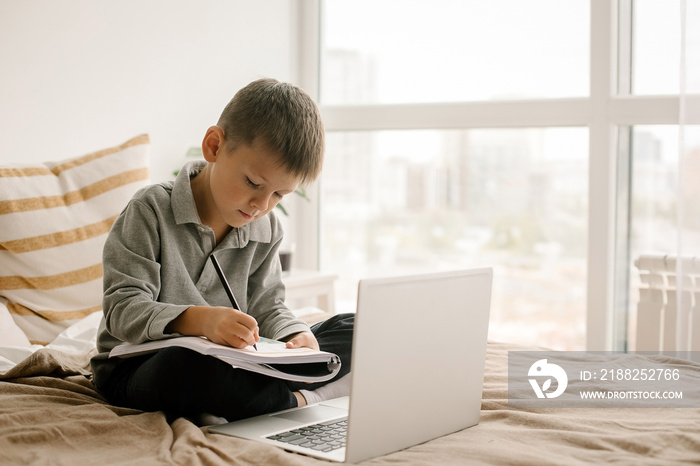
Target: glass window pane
x,y
654,218
397,202
656,47
413,51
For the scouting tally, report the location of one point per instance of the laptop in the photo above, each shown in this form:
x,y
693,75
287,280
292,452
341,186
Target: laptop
x,y
419,349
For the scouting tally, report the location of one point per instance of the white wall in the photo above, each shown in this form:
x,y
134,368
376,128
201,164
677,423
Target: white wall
x,y
80,75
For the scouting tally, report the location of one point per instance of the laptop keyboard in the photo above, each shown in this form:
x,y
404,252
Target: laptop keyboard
x,y
324,436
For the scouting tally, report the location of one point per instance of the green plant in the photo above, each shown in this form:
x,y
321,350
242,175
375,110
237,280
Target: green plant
x,y
301,192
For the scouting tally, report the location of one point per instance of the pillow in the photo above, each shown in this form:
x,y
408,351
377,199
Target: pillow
x,y
10,333
54,219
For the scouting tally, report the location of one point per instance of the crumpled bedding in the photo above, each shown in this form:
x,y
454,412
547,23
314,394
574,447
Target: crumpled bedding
x,y
50,413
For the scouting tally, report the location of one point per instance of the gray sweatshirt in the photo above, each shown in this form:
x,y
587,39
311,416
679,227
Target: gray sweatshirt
x,y
156,265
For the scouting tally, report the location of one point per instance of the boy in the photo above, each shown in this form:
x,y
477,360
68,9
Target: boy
x,y
159,283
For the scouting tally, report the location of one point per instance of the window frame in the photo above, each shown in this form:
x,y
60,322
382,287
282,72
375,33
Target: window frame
x,y
607,112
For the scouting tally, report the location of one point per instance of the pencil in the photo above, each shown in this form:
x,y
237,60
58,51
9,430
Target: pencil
x,y
227,287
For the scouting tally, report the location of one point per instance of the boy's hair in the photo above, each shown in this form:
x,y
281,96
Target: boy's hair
x,y
283,117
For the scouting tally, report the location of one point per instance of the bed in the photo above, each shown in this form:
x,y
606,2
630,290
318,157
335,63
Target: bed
x,y
50,413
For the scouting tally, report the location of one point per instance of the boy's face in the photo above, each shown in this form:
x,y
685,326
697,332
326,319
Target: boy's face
x,y
246,183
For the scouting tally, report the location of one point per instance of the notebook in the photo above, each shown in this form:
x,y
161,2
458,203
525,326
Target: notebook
x,y
419,349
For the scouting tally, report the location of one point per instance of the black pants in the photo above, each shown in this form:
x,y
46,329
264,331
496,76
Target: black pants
x,y
182,382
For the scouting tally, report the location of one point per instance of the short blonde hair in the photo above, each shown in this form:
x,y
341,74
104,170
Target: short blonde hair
x,y
283,117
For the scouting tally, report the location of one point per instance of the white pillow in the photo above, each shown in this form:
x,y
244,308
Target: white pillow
x,y
10,333
54,218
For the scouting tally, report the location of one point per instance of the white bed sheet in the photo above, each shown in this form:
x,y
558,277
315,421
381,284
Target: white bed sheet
x,y
79,338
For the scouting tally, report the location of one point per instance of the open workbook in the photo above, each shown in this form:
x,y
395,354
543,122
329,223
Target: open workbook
x,y
272,357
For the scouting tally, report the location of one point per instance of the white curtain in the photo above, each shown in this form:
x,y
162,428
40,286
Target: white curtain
x,y
668,312
685,288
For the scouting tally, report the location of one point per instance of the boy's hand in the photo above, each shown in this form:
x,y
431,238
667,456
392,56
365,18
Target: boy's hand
x,y
223,325
228,326
303,340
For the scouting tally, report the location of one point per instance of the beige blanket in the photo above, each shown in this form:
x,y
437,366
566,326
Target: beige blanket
x,y
51,414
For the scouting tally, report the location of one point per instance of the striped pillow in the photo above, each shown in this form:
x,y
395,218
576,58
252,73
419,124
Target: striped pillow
x,y
54,218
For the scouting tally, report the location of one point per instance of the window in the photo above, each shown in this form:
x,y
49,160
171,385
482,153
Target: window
x,y
522,135
656,47
380,52
653,210
397,202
